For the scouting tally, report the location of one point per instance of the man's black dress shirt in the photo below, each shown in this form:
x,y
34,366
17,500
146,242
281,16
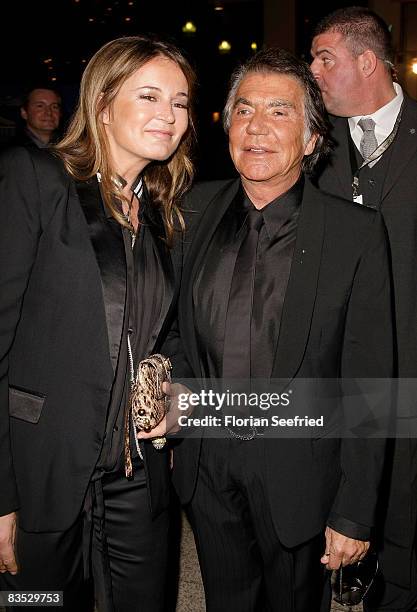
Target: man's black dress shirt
x,y
211,291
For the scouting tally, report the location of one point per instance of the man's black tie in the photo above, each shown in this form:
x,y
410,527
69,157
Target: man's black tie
x,y
237,338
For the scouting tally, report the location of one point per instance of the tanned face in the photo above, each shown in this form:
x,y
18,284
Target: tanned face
x,y
267,131
149,115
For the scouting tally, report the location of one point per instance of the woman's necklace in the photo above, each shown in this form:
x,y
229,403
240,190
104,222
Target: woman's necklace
x,y
128,218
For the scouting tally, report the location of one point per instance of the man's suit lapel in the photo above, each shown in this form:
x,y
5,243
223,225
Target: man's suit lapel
x,y
211,218
302,286
403,147
107,240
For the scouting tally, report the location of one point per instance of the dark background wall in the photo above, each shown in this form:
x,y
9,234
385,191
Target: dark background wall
x,y
51,41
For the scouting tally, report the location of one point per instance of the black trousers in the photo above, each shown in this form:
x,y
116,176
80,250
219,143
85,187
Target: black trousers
x,y
385,596
244,566
128,553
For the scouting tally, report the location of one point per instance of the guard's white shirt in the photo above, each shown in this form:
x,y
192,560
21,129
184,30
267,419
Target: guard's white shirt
x,y
384,118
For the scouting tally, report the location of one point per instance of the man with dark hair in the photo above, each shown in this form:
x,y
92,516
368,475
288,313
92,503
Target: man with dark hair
x,y
41,111
282,282
374,164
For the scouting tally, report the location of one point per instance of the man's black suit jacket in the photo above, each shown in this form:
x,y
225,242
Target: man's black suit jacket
x,y
63,288
336,322
398,206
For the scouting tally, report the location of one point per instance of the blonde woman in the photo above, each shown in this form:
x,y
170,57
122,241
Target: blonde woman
x,y
86,275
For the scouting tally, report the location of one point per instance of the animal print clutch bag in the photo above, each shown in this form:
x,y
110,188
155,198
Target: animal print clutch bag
x,y
148,402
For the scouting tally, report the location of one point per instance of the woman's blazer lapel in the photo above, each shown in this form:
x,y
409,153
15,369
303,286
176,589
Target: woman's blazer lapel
x,y
107,240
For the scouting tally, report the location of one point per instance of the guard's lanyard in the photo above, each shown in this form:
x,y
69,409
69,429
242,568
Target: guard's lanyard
x,y
385,144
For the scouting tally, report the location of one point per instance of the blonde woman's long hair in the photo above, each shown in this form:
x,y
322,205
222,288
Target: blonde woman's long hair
x,y
84,149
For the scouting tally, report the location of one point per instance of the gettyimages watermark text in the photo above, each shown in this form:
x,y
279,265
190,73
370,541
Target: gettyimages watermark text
x,y
311,408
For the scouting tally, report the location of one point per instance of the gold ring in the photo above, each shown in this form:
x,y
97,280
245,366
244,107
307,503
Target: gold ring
x,y
159,443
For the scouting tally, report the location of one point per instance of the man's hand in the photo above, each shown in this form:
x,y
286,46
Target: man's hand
x,y
7,541
341,550
169,423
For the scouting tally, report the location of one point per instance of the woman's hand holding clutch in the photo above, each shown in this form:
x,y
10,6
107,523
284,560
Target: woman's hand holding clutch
x,y
169,424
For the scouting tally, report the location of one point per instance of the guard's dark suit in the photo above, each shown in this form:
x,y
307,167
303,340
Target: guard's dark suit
x,y
398,205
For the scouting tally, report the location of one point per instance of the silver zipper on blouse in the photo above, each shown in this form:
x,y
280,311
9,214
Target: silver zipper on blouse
x,y
132,380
